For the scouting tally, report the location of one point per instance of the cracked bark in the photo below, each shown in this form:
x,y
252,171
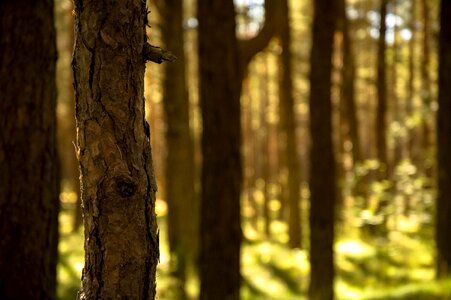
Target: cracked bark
x,y
118,185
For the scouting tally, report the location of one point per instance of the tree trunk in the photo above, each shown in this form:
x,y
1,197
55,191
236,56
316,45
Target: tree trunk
x,y
444,145
288,126
29,182
118,185
179,168
426,92
398,113
221,169
322,172
266,131
348,86
381,114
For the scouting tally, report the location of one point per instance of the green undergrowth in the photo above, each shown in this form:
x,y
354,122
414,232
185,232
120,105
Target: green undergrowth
x,y
397,266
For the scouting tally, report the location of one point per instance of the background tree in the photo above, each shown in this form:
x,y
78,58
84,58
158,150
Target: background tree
x,y
180,170
289,125
118,194
29,183
444,145
322,170
350,120
221,167
381,113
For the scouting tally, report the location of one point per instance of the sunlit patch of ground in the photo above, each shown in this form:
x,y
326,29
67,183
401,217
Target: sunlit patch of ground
x,y
398,266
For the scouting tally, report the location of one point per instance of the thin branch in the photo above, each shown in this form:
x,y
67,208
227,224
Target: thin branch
x,y
157,54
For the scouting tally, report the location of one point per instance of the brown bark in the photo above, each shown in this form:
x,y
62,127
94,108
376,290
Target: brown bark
x,y
348,86
322,172
397,111
444,145
381,113
221,169
288,126
179,168
426,92
412,132
29,183
118,185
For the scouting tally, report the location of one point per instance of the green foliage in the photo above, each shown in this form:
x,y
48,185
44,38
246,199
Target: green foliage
x,y
400,267
70,250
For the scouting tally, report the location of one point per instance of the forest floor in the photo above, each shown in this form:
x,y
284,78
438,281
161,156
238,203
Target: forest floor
x,y
397,266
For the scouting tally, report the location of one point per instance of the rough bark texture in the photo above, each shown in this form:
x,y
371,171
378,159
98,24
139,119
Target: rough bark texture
x,y
29,183
118,185
179,168
288,124
381,114
444,145
322,172
221,169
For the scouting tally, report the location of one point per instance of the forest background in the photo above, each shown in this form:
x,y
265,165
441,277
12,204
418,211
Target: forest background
x,y
338,190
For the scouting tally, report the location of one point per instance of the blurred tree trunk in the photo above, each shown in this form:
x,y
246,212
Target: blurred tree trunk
x,y
121,239
398,113
223,62
322,172
426,92
413,133
251,162
444,145
179,168
29,179
221,169
288,127
265,151
348,101
348,85
381,113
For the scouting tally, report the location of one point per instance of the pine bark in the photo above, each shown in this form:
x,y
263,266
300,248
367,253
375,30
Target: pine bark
x,y
322,171
443,223
29,181
118,185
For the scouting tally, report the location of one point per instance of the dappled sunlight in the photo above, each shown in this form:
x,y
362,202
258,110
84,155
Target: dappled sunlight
x,y
354,248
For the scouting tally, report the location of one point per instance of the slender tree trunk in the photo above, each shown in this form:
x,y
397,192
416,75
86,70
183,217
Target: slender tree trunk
x,y
414,134
29,181
265,150
348,98
426,92
348,88
322,172
179,168
288,124
443,224
118,194
398,113
381,114
221,135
